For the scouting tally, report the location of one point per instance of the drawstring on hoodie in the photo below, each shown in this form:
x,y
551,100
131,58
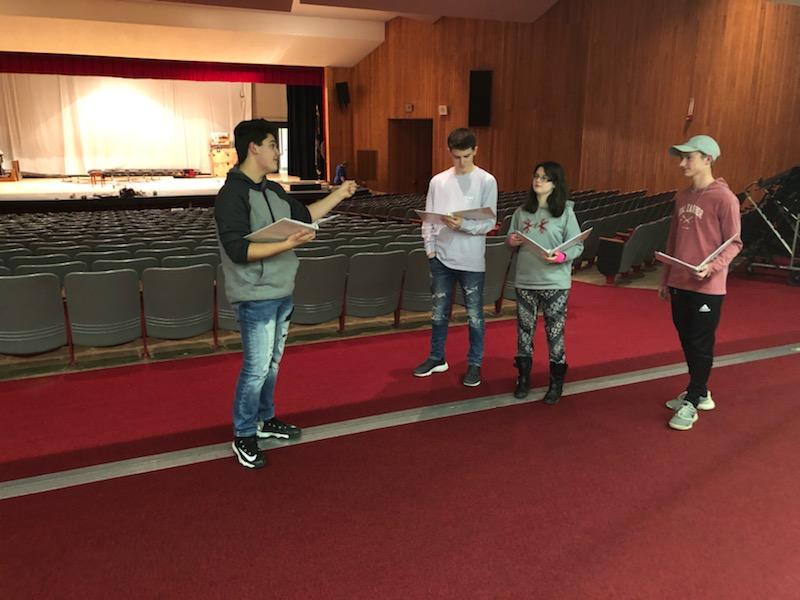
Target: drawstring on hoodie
x,y
266,199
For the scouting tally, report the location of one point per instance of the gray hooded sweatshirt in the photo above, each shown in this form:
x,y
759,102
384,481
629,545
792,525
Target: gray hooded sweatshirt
x,y
243,206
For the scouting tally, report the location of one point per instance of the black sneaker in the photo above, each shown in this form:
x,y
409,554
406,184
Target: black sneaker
x,y
431,366
278,429
248,453
472,377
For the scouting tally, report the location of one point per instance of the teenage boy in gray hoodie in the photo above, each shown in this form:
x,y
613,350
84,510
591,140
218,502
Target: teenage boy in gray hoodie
x,y
259,278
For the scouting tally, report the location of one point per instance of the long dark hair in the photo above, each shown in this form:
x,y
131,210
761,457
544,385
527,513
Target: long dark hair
x,y
557,200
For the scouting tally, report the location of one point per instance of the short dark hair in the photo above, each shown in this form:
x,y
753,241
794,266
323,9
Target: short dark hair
x,y
557,200
254,130
461,139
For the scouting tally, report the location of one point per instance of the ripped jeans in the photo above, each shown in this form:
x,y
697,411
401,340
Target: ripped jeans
x,y
264,326
442,287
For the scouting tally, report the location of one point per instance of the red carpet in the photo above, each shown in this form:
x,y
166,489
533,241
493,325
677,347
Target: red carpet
x,y
594,498
65,421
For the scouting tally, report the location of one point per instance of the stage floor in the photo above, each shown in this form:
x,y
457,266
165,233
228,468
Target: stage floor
x,y
76,188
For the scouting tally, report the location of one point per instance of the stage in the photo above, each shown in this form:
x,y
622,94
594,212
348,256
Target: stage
x,y
39,194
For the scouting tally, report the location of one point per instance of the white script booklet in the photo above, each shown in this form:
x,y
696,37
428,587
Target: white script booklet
x,y
283,228
671,260
472,213
546,252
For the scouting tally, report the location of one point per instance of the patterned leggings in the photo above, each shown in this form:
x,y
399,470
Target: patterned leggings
x,y
554,306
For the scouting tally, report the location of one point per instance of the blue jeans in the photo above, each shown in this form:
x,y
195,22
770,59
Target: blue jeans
x,y
264,327
442,287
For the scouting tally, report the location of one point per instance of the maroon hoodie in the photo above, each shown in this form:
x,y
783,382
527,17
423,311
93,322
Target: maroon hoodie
x,y
702,220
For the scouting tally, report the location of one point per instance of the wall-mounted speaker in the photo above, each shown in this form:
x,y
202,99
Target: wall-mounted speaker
x,y
342,93
480,98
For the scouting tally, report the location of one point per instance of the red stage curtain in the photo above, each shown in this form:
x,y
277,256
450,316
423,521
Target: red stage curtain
x,y
140,68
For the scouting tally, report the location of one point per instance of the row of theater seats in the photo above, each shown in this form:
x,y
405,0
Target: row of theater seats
x,y
629,251
112,307
403,206
610,225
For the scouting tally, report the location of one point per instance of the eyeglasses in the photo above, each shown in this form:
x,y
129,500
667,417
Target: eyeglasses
x,y
542,178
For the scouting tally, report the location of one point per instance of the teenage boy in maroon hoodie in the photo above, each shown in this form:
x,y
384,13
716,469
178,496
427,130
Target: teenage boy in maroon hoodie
x,y
705,215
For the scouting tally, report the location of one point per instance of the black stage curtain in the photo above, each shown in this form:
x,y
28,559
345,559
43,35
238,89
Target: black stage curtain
x,y
306,155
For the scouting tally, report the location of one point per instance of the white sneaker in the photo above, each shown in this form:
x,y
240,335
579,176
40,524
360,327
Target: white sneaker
x,y
684,417
706,402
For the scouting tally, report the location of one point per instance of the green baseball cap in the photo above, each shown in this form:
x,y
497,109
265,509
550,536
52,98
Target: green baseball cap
x,y
699,143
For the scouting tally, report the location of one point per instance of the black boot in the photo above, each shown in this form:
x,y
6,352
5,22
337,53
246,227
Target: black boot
x,y
557,373
523,364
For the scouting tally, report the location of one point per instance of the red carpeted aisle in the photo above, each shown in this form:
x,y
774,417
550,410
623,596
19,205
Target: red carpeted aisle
x,y
594,498
65,421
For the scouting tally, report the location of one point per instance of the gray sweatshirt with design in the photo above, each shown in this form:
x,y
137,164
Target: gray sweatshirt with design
x,y
243,206
533,273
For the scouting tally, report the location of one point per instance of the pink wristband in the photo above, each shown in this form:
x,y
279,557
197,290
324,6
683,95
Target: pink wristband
x,y
561,257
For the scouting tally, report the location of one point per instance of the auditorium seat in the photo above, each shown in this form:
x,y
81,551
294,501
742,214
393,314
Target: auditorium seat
x,y
618,255
351,249
498,257
381,240
137,264
315,251
319,289
166,244
178,302
32,319
103,307
60,269
72,251
510,288
226,316
209,258
161,253
42,259
90,257
417,283
505,224
7,253
404,246
374,282
129,247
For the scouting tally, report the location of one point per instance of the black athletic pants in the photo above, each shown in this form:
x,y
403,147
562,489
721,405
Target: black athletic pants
x,y
696,317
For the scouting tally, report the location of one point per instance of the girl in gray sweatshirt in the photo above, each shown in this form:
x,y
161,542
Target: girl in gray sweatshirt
x,y
548,219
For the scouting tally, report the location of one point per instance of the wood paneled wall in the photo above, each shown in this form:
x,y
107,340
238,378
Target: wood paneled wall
x,y
738,59
339,120
602,87
428,64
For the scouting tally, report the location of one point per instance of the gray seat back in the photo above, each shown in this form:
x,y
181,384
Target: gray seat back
x,y
41,259
103,307
498,257
319,289
226,315
510,288
313,252
60,270
350,249
178,302
32,319
137,264
417,283
208,258
161,253
373,283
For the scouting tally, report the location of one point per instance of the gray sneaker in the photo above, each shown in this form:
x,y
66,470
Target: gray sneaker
x,y
684,417
472,377
706,402
431,366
